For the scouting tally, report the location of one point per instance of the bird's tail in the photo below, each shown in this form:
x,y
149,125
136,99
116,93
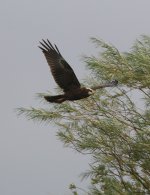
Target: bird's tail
x,y
55,99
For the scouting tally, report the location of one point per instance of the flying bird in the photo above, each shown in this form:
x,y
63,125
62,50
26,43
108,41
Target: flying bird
x,y
65,77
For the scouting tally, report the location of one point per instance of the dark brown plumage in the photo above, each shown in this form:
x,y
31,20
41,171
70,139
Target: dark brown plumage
x,y
65,77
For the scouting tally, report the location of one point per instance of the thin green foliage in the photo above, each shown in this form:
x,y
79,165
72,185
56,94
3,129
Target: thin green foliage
x,y
113,126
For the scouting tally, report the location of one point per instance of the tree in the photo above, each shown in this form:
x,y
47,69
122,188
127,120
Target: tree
x,y
113,126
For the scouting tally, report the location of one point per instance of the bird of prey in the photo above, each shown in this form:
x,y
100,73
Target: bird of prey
x,y
65,77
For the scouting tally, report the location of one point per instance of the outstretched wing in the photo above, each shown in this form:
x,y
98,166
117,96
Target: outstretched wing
x,y
61,71
112,83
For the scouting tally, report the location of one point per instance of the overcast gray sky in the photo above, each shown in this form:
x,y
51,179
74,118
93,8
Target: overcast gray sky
x,y
32,160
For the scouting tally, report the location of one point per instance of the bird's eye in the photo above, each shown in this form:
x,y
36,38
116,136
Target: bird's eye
x,y
90,92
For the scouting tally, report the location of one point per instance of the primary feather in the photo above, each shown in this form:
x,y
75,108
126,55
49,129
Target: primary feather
x,y
65,76
61,70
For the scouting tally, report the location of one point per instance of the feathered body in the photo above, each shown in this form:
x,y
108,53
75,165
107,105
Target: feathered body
x,y
75,94
65,77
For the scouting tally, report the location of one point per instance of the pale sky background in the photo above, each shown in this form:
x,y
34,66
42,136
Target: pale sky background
x,y
32,159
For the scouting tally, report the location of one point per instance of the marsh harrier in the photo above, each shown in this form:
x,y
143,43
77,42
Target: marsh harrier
x,y
65,77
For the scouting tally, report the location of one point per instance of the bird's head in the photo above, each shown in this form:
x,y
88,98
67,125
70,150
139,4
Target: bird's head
x,y
90,91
